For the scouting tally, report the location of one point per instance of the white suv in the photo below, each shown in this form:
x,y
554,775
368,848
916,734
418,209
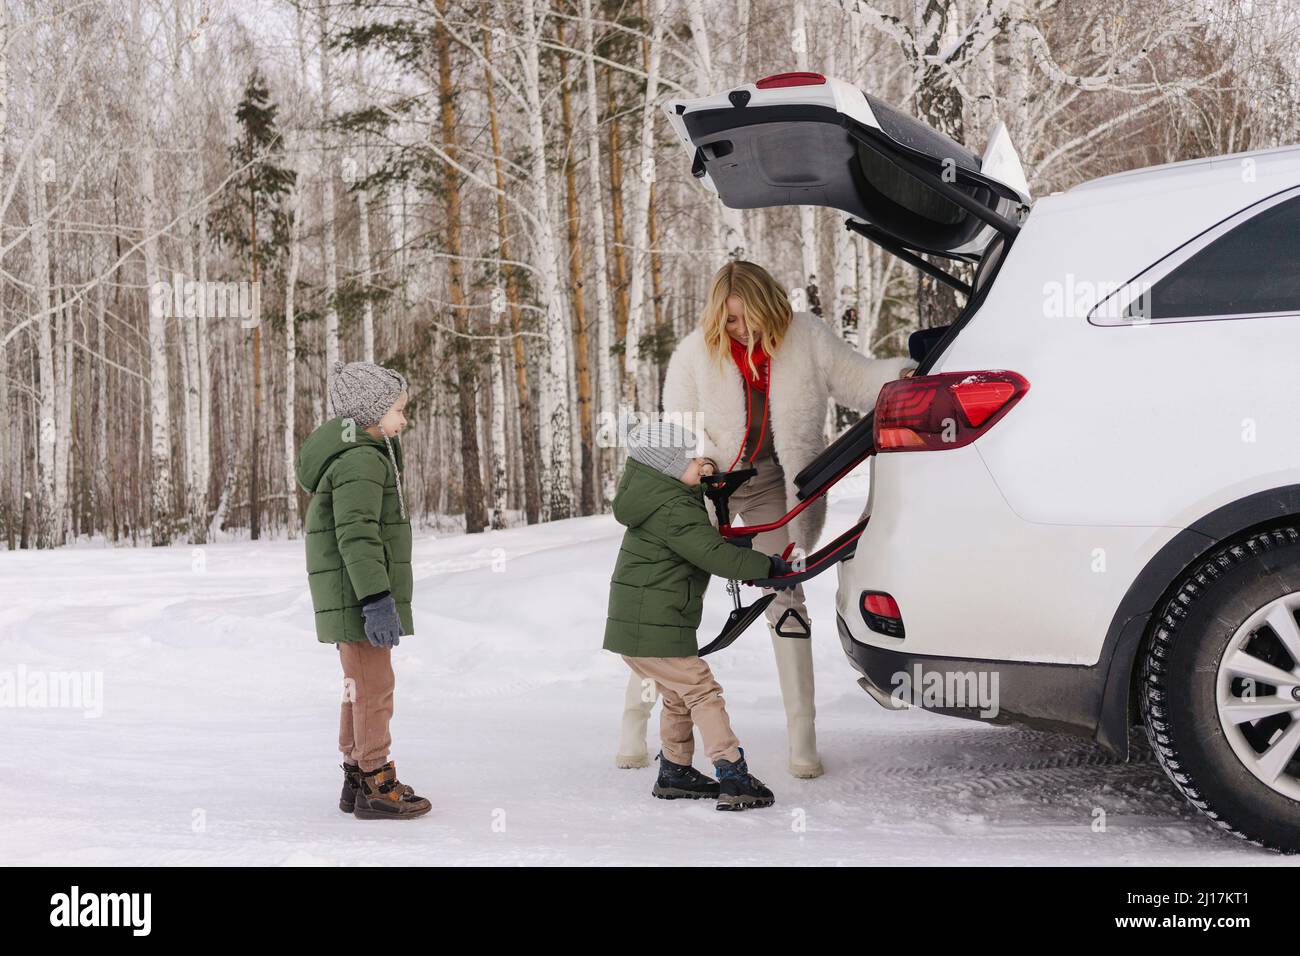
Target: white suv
x,y
1088,497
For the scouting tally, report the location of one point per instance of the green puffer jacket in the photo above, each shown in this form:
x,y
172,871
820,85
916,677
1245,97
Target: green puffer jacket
x,y
358,543
669,550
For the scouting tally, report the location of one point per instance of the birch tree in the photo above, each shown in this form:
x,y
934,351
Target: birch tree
x,y
807,214
636,372
557,485
728,223
329,238
160,451
607,373
528,432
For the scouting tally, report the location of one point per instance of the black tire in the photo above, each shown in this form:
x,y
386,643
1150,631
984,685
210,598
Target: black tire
x,y
1179,672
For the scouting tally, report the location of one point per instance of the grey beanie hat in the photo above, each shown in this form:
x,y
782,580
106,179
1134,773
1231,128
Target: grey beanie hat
x,y
662,445
363,391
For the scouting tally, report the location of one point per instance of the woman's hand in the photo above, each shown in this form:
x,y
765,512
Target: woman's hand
x,y
907,373
708,466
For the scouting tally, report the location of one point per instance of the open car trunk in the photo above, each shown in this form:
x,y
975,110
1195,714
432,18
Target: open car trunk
x,y
802,138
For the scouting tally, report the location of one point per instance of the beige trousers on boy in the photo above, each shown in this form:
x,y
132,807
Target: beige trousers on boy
x,y
759,501
691,698
367,704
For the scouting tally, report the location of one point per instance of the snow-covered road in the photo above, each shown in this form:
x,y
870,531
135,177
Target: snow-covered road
x,y
219,713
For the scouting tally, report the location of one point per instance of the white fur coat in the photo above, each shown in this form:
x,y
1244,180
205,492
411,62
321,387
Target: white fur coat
x,y
811,365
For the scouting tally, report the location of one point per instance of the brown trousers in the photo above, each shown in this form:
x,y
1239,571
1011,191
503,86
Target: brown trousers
x,y
367,704
691,698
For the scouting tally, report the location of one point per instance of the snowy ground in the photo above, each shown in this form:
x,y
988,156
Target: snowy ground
x,y
219,713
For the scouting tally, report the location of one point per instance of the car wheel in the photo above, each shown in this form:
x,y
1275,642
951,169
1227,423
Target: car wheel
x,y
1220,688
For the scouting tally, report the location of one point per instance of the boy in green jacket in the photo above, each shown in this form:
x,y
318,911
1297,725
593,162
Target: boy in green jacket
x,y
656,597
359,570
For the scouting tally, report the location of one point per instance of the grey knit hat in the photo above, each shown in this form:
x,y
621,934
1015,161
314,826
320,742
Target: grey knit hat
x,y
363,391
662,445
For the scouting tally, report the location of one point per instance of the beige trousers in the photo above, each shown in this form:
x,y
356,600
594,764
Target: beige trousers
x,y
367,704
691,698
759,501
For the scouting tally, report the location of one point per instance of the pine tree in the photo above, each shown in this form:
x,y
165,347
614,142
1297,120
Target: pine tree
x,y
253,220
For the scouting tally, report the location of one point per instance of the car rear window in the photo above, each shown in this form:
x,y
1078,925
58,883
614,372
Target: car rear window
x,y
1254,268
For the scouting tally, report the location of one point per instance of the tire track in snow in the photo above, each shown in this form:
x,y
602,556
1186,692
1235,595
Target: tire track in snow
x,y
1069,784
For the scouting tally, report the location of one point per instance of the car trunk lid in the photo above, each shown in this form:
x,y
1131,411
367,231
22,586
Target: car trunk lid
x,y
806,139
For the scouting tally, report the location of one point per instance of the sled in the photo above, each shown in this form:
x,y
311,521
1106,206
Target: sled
x,y
844,454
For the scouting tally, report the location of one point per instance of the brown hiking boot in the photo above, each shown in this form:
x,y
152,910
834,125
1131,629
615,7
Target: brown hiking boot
x,y
382,796
351,784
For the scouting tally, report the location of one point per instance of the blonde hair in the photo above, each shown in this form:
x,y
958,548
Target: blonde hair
x,y
767,309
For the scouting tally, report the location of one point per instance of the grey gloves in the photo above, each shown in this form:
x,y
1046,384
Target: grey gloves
x,y
381,622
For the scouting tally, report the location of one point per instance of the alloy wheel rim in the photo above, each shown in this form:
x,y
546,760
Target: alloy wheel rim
x,y
1258,694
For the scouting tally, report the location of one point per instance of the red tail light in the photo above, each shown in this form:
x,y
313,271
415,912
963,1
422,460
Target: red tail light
x,y
934,412
778,80
881,614
882,604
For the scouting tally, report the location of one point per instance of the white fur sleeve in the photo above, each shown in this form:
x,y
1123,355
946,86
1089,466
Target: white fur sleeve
x,y
681,393
853,379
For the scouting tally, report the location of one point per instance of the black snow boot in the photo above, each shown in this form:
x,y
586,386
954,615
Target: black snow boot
x,y
351,783
740,789
381,796
682,782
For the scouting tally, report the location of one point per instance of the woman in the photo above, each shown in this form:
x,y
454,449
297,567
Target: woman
x,y
753,380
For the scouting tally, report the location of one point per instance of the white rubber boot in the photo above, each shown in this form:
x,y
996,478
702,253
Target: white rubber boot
x,y
794,664
632,751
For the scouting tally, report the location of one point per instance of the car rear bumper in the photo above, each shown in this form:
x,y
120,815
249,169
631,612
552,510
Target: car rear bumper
x,y
1056,697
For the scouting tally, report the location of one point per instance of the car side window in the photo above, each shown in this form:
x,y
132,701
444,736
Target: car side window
x,y
1254,268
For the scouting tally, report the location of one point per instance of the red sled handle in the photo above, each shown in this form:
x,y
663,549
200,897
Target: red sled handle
x,y
844,454
847,452
749,530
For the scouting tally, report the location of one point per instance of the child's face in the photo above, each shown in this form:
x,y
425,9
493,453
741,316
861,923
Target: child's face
x,y
394,419
697,468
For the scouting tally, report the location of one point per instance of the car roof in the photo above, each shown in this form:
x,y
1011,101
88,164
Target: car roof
x,y
1182,173
1164,206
